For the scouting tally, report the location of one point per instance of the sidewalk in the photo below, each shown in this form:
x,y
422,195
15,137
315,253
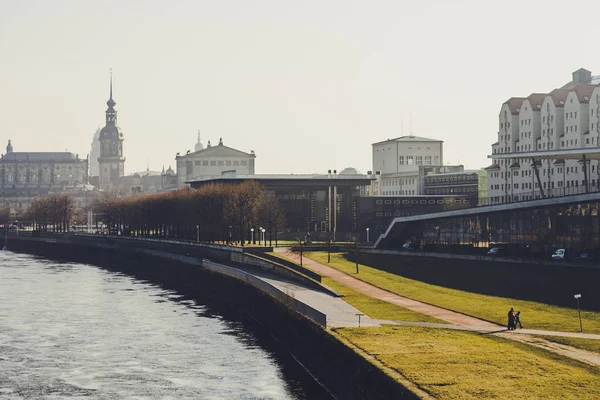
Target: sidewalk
x,y
456,320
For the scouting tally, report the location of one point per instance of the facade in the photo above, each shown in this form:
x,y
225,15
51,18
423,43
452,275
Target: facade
x,y
311,203
147,182
213,161
27,175
400,164
465,183
111,161
375,213
544,124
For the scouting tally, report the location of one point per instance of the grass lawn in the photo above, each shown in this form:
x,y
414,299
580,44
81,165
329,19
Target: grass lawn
x,y
533,315
452,364
377,309
585,344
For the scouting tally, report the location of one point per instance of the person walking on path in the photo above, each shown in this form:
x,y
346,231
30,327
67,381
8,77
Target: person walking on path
x,y
518,320
511,319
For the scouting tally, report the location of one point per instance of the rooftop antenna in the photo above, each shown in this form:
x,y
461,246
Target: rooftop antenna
x,y
402,123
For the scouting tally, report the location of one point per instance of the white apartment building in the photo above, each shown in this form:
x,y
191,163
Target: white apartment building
x,y
565,118
399,164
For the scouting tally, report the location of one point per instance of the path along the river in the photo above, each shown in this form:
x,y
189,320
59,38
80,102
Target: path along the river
x,y
455,320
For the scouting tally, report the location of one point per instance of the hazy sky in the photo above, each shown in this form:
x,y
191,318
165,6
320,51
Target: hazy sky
x,y
308,85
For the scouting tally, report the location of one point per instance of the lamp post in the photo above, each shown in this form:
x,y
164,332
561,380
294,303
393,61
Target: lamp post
x,y
197,233
577,297
264,236
252,235
367,235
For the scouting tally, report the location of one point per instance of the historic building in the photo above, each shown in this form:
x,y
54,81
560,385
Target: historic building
x,y
556,129
26,175
146,182
111,161
399,164
213,161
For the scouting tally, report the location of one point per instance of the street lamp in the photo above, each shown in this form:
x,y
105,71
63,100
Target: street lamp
x,y
252,234
367,235
197,233
577,297
264,236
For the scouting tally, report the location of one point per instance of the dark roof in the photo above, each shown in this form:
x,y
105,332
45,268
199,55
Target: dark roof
x,y
409,138
40,156
493,166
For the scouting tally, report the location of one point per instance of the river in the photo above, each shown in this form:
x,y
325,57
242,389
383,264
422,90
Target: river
x,y
71,330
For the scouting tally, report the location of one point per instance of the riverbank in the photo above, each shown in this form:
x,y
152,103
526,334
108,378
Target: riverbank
x,y
298,341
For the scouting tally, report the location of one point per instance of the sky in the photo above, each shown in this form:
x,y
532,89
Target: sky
x,y
308,85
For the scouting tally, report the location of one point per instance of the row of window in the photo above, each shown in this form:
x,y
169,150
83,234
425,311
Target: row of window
x,y
417,160
399,193
425,201
545,185
401,182
454,178
220,163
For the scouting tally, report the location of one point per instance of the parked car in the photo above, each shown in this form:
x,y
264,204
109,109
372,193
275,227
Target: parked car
x,y
496,252
559,254
408,246
585,256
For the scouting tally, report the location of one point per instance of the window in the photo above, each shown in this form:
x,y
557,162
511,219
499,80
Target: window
x,y
427,160
419,160
213,163
197,163
409,160
401,160
221,163
204,163
243,163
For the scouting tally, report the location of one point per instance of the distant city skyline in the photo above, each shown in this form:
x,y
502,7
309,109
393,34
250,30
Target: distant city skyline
x,y
308,86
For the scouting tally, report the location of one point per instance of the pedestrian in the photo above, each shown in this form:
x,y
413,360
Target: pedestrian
x,y
518,320
511,319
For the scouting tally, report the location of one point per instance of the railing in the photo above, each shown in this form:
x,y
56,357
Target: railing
x,y
517,197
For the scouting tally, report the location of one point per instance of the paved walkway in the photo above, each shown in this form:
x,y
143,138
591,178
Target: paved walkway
x,y
456,320
339,313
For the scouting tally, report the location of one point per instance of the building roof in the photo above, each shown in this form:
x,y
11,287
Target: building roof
x,y
350,171
40,156
536,100
219,150
559,96
584,92
514,104
409,138
493,166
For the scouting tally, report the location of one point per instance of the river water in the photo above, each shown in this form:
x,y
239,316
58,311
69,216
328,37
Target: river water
x,y
71,330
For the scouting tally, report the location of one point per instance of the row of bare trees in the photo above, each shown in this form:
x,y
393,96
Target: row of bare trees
x,y
216,212
55,212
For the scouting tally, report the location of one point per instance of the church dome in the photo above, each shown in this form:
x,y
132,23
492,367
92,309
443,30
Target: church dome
x,y
110,131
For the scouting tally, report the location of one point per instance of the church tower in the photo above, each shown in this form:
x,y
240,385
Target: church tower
x,y
111,161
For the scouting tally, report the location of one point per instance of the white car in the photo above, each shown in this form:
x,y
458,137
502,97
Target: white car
x,y
559,254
